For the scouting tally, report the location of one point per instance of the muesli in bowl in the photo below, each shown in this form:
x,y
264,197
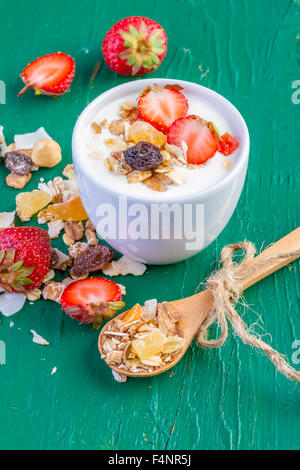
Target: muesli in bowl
x,y
156,141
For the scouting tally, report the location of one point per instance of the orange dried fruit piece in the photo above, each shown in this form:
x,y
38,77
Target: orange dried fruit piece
x,y
133,314
149,345
30,203
69,210
145,132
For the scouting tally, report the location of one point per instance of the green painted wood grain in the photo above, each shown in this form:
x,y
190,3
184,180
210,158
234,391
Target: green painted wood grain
x,y
230,398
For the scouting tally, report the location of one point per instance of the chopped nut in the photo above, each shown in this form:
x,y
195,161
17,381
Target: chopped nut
x,y
91,237
97,129
69,172
49,276
104,124
55,227
127,105
17,181
108,165
33,295
89,225
60,260
77,248
118,164
68,240
117,127
74,230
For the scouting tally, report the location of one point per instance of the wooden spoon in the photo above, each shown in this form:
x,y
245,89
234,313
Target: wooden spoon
x,y
194,309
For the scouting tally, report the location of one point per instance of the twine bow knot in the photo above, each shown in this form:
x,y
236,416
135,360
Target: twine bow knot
x,y
226,287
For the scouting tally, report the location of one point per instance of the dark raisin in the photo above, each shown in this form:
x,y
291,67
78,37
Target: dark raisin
x,y
18,163
92,259
143,156
54,258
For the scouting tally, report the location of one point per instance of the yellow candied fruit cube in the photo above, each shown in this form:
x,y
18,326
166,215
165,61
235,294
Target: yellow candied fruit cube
x,y
150,345
143,131
30,203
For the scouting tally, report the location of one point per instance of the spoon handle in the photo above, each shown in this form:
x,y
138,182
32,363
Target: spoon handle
x,y
288,244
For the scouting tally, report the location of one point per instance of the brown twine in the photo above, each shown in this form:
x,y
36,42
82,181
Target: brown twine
x,y
225,286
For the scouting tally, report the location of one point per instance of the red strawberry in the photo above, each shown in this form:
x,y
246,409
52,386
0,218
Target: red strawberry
x,y
91,300
162,106
227,144
201,141
50,74
24,258
134,46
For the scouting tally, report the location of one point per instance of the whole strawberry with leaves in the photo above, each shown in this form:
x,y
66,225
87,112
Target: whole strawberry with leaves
x,y
25,254
135,46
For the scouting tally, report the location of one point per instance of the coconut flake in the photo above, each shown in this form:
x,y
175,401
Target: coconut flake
x,y
27,141
54,370
11,303
149,309
124,266
38,339
7,219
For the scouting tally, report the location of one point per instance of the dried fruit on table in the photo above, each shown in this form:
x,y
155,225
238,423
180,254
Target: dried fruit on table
x,y
32,202
18,163
143,131
133,314
69,210
92,259
149,345
143,156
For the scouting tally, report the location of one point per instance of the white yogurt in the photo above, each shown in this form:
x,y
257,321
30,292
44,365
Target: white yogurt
x,y
197,179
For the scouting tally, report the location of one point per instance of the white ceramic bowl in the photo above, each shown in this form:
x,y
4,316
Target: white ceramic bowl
x,y
218,202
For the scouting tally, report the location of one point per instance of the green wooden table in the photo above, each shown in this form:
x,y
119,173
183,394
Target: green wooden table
x,y
231,398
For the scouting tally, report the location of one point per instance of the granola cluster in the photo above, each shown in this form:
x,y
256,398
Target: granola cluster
x,y
127,132
146,338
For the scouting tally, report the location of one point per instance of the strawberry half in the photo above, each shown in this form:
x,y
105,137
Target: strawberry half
x,y
201,141
91,300
25,254
50,74
162,106
134,46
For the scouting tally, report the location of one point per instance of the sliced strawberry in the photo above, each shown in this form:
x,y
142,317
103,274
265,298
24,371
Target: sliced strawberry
x,y
51,74
201,141
227,144
162,106
91,300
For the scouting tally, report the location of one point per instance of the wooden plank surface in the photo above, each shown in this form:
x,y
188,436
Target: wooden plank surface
x,y
231,398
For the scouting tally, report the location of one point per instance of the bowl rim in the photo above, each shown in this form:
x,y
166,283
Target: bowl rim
x,y
163,197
